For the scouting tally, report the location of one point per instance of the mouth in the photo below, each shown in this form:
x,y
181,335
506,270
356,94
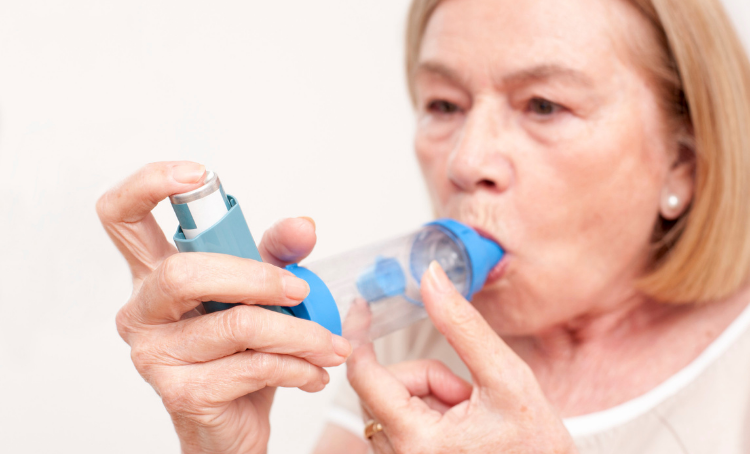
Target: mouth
x,y
498,271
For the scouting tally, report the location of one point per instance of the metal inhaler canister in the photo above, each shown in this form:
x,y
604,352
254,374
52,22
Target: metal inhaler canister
x,y
200,209
212,221
385,276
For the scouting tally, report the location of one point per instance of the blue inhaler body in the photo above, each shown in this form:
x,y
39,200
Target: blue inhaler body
x,y
385,276
212,221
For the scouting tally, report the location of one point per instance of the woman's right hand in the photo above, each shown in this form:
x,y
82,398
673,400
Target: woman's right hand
x,y
216,373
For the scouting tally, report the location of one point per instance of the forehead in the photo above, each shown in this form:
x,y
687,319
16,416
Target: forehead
x,y
512,35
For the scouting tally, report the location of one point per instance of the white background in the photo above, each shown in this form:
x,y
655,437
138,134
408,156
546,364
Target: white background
x,y
300,107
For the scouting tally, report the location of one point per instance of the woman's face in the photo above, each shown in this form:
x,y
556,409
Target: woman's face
x,y
537,125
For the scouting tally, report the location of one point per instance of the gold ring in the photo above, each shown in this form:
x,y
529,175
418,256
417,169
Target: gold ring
x,y
372,427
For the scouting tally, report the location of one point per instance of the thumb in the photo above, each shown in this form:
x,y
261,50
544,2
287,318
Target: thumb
x,y
125,211
288,241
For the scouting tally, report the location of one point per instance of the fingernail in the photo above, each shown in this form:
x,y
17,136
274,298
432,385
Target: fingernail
x,y
440,280
188,173
308,219
341,346
295,288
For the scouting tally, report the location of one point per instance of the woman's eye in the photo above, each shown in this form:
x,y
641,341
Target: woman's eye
x,y
442,107
541,106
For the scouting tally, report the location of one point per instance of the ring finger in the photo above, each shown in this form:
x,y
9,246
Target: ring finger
x,y
378,439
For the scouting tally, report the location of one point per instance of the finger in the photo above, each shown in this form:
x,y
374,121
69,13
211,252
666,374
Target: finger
x,y
183,281
379,442
125,211
288,241
241,328
489,359
379,390
226,379
356,326
436,404
429,377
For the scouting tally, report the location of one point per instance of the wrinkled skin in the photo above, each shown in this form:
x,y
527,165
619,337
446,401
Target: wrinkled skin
x,y
216,373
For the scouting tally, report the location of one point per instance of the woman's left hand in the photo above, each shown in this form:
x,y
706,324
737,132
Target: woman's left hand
x,y
424,408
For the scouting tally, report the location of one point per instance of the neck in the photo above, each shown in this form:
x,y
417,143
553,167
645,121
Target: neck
x,y
600,327
606,357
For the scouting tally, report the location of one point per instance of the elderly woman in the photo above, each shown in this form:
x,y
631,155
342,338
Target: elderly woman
x,y
602,143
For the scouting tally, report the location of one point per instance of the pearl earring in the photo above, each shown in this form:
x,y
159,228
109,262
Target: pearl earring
x,y
673,202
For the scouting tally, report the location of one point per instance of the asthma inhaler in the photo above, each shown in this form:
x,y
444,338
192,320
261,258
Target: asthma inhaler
x,y
386,276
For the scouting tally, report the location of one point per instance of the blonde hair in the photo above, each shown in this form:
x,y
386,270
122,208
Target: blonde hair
x,y
703,75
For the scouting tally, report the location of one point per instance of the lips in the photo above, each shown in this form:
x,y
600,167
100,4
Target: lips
x,y
498,270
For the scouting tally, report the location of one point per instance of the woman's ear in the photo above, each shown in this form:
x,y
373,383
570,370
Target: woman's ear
x,y
679,185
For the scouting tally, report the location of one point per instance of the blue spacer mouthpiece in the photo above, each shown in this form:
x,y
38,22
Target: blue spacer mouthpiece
x,y
319,306
483,254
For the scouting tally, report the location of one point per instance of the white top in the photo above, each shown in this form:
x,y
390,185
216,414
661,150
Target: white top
x,y
703,408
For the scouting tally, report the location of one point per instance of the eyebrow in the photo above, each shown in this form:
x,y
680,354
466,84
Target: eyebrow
x,y
439,69
546,72
539,73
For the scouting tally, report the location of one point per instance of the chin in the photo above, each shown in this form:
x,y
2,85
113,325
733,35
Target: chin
x,y
499,313
506,314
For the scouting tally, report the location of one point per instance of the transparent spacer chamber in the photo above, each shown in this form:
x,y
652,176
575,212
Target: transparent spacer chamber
x,y
376,288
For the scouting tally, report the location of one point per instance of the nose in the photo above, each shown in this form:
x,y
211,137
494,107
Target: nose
x,y
478,161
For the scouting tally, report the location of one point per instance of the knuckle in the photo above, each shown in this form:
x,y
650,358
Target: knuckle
x,y
269,278
233,324
123,321
106,205
142,359
274,369
270,366
175,275
104,208
315,378
317,341
176,395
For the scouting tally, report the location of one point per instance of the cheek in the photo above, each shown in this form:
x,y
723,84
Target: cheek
x,y
618,178
585,228
586,208
612,190
598,204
